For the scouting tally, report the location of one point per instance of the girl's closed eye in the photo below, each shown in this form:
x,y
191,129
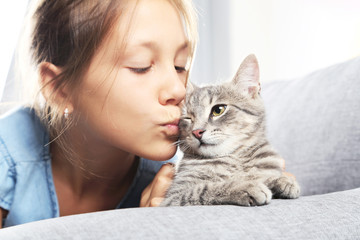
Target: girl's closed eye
x,y
180,69
143,70
140,70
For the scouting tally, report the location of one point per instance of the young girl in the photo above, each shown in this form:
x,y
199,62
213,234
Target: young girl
x,y
112,75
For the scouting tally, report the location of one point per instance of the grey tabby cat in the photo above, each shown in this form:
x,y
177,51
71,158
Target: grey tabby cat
x,y
227,158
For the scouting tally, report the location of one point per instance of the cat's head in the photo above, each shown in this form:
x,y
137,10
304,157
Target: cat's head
x,y
219,120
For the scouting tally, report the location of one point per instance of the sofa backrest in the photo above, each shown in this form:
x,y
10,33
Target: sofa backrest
x,y
314,123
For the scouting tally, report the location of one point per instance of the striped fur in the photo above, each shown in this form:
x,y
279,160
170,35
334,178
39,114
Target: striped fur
x,y
232,162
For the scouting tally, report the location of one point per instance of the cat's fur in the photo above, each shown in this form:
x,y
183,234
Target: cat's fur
x,y
227,158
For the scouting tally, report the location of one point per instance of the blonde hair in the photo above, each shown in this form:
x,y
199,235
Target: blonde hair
x,y
67,33
187,11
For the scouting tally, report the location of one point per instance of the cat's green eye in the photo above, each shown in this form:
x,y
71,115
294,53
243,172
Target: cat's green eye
x,y
217,110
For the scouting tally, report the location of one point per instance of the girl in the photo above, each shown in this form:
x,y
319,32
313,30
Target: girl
x,y
112,75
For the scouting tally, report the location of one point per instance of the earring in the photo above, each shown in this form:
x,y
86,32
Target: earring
x,y
66,113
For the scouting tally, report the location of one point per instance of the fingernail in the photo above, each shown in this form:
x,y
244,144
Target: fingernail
x,y
170,163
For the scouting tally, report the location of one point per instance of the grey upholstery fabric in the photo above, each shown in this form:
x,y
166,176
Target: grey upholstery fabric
x,y
314,123
330,216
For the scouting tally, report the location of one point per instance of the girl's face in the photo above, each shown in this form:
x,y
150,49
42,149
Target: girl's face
x,y
130,98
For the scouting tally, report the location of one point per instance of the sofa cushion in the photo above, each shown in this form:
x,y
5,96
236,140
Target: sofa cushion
x,y
314,123
329,216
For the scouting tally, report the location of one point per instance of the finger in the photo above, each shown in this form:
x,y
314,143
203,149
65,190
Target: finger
x,y
167,170
154,189
155,202
162,181
145,195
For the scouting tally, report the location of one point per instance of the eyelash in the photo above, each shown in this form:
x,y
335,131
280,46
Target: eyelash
x,y
140,70
146,69
180,69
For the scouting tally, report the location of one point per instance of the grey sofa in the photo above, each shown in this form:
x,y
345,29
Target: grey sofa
x,y
314,122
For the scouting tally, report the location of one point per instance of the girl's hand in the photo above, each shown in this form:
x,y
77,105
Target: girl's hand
x,y
155,192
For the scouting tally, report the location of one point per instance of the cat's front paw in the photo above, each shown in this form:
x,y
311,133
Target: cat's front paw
x,y
286,187
255,195
168,202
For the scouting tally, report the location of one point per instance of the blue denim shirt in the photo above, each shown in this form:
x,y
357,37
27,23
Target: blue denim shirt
x,y
27,189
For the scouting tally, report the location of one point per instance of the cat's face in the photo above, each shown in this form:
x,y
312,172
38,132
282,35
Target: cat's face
x,y
218,120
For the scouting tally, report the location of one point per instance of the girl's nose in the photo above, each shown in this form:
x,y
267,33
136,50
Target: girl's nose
x,y
173,89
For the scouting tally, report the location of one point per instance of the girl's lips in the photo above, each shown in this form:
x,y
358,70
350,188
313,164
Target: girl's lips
x,y
172,128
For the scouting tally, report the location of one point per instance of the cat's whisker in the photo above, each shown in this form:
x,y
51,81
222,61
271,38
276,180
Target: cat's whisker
x,y
185,146
176,143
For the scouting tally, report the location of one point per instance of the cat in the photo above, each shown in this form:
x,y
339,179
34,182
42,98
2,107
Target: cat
x,y
227,157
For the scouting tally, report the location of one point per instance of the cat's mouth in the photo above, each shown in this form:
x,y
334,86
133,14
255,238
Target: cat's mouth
x,y
205,144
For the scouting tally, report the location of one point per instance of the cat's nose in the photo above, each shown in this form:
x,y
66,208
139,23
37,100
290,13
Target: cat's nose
x,y
198,133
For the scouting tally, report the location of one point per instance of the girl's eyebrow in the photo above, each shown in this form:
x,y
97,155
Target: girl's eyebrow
x,y
183,46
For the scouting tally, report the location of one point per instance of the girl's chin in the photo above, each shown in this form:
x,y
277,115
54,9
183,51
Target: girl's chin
x,y
162,154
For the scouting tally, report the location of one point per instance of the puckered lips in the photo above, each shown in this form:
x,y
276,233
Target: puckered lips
x,y
171,128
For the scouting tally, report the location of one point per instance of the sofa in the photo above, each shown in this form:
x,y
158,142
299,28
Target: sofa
x,y
314,123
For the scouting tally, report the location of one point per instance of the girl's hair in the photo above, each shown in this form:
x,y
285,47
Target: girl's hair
x,y
67,33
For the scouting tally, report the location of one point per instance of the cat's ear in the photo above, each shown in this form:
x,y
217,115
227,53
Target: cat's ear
x,y
190,87
247,76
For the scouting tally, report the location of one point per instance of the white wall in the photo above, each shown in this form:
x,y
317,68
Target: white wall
x,y
290,37
212,60
11,18
294,37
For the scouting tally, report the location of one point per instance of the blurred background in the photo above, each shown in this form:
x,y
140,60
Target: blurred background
x,y
291,38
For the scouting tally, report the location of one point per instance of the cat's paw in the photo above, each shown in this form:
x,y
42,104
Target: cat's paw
x,y
165,203
168,202
255,195
286,187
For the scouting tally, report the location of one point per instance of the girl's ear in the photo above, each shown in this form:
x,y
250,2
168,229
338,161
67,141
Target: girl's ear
x,y
48,81
247,76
